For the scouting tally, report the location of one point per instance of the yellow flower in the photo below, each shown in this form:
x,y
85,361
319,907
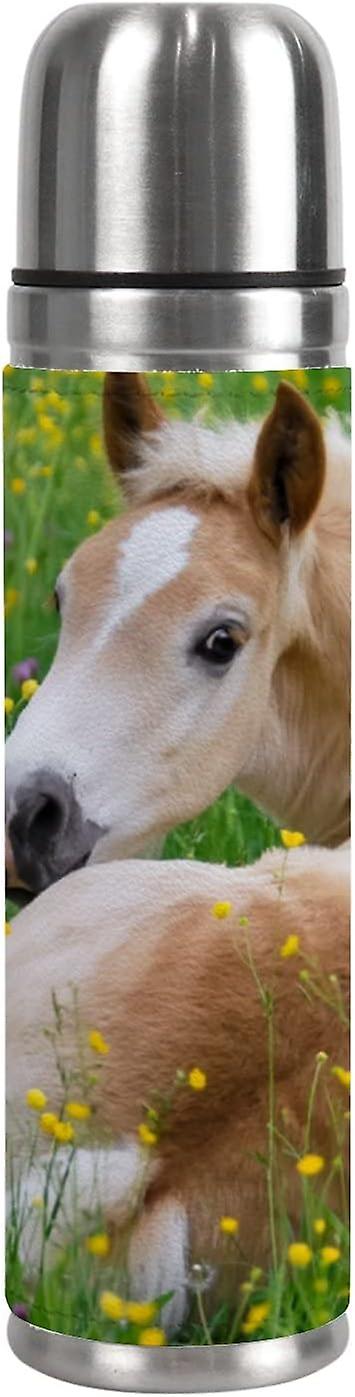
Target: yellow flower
x,y
320,1286
93,518
197,1079
329,1255
63,1132
46,424
152,1338
299,377
255,1317
36,384
53,398
31,566
99,1244
342,1075
112,1306
96,444
319,1226
206,380
57,436
78,1110
146,1135
8,370
168,390
12,597
9,704
322,1317
290,947
25,436
36,1099
46,472
8,928
310,1164
292,839
98,1042
260,383
246,1287
230,1226
140,1312
18,485
221,909
29,688
332,386
299,1254
37,1202
48,1122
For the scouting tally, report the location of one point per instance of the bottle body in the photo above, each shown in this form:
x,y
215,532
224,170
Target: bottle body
x,y
178,846
177,599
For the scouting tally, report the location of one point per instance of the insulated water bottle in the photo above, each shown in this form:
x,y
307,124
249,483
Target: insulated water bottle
x,y
177,440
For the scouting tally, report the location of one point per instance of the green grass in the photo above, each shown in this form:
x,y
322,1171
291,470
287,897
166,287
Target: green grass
x,y
58,489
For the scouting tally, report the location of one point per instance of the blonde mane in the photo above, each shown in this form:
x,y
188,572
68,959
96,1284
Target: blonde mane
x,y
191,456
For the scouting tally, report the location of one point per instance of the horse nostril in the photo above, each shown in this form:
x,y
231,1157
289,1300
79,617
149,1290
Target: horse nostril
x,y
48,835
42,824
46,821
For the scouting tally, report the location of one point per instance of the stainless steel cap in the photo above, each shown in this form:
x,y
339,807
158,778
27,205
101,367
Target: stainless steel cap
x,y
179,144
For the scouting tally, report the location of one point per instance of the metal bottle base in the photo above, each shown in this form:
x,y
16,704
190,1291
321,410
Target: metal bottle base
x,y
227,1367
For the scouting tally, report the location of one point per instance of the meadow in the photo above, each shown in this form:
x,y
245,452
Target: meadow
x,y
59,490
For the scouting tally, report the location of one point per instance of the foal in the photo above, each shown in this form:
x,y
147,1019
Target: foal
x,y
204,640
171,987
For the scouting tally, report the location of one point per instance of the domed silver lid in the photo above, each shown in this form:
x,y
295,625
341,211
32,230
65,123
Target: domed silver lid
x,y
179,144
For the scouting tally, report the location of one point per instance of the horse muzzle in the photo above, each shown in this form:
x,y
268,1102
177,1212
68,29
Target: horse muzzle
x,y
47,834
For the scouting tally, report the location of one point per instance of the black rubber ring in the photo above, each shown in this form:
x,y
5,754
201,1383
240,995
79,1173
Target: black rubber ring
x,y
189,281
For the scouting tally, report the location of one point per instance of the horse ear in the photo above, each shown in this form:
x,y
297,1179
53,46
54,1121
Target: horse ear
x,y
128,411
289,465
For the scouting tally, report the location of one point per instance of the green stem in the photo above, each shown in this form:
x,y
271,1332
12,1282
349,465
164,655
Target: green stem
x,y
340,1144
271,1142
311,1101
282,877
201,1310
237,1319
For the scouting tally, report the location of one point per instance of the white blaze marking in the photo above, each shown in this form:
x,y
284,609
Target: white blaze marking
x,y
155,552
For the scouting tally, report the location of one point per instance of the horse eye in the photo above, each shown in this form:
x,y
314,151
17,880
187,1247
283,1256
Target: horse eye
x,y
219,647
56,599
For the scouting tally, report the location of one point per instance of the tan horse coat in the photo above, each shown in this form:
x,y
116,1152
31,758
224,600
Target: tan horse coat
x,y
171,987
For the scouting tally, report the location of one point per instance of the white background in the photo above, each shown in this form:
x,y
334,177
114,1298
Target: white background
x,y
22,21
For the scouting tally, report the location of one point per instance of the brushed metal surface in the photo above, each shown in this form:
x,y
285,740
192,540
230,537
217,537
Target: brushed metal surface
x,y
132,330
177,139
226,1367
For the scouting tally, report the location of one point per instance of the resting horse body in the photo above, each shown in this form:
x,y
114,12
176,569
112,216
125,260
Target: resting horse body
x,y
171,987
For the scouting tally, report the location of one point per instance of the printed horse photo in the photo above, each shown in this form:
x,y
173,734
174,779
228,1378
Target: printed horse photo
x,y
204,641
178,1056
